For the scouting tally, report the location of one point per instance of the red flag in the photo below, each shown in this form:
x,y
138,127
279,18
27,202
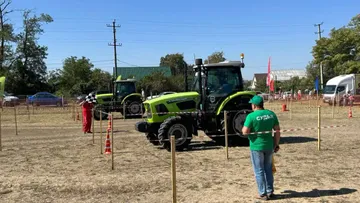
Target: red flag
x,y
268,74
272,85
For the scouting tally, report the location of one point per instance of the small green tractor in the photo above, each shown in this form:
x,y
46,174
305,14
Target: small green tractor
x,y
126,100
217,88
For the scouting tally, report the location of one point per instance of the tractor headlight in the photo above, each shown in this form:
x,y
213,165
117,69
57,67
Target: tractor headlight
x,y
148,111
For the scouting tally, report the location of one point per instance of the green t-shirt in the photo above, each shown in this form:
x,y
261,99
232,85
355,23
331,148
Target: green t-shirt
x,y
259,121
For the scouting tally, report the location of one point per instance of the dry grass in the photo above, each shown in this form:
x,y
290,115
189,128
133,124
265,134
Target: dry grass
x,y
50,160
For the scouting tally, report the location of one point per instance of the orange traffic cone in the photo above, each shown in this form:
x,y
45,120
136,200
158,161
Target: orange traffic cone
x,y
107,144
350,113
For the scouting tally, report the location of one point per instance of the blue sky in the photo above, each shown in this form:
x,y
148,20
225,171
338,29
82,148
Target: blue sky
x,y
281,29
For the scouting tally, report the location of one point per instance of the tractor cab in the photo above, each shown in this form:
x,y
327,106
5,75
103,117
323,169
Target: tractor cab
x,y
219,80
124,88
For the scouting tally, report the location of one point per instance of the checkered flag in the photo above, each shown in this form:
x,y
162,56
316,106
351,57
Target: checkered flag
x,y
90,98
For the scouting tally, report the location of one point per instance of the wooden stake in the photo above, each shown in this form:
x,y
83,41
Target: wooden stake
x,y
290,108
16,127
28,110
226,136
101,133
309,105
319,124
93,125
0,133
124,110
112,141
173,169
333,107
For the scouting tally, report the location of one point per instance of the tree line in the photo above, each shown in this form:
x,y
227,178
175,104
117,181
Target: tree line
x,y
22,62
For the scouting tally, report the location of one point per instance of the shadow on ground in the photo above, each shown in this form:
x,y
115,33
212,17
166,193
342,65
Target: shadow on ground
x,y
296,139
315,193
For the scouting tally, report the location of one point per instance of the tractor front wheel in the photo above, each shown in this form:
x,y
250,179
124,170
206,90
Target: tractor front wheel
x,y
174,126
153,139
104,114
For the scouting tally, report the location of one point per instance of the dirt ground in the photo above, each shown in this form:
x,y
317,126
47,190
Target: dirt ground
x,y
50,160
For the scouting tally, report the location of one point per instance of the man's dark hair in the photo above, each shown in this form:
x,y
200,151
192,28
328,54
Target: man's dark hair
x,y
261,105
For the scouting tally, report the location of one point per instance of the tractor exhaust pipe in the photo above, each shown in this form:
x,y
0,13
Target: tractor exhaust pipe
x,y
198,63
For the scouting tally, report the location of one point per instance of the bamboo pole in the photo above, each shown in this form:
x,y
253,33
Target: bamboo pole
x,y
173,169
16,126
112,141
0,133
290,108
333,108
124,110
101,133
319,129
93,125
226,136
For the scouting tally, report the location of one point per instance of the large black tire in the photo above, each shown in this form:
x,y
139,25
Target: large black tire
x,y
178,127
235,121
97,110
133,109
153,138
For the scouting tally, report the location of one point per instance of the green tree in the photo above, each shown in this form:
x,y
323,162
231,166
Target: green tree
x,y
76,75
339,53
175,62
100,80
6,35
261,86
29,69
215,57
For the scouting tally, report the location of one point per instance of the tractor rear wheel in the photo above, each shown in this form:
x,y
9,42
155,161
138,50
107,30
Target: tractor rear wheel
x,y
133,109
235,123
176,126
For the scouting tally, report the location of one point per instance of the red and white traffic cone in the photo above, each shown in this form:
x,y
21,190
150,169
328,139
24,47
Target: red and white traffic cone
x,y
350,113
107,144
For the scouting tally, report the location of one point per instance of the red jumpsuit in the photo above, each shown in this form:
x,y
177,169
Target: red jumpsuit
x,y
87,114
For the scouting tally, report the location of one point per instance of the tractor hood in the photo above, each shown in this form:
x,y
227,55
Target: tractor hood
x,y
102,98
176,97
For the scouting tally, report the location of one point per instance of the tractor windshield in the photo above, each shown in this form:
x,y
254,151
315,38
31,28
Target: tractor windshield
x,y
124,88
223,80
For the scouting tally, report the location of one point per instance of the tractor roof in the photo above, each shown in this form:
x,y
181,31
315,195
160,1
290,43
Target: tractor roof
x,y
224,63
127,80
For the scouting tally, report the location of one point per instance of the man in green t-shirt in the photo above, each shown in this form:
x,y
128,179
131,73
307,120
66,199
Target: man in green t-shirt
x,y
262,145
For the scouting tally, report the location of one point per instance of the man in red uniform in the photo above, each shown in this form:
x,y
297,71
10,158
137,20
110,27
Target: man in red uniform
x,y
87,106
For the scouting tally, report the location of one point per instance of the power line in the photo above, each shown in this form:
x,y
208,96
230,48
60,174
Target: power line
x,y
177,24
124,62
100,61
114,26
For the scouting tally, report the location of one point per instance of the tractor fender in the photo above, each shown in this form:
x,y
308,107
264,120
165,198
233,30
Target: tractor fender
x,y
135,95
231,97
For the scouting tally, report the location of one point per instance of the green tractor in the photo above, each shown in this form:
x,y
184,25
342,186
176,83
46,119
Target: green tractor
x,y
126,100
183,114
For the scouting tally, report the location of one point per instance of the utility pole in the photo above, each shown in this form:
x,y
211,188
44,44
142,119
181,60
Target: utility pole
x,y
319,29
321,64
114,26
